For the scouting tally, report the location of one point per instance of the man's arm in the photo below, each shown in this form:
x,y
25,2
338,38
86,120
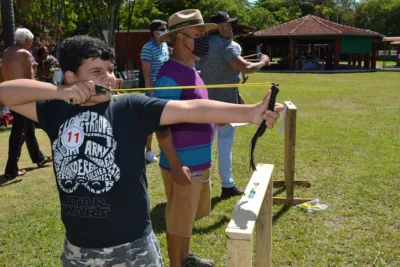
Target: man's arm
x,y
247,67
21,95
207,111
146,66
180,173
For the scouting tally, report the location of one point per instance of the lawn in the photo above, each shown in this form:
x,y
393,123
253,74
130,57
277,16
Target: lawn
x,y
347,147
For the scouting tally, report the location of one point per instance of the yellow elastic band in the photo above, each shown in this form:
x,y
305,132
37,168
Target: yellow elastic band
x,y
211,86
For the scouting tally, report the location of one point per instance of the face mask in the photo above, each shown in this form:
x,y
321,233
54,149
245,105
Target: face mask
x,y
163,32
200,46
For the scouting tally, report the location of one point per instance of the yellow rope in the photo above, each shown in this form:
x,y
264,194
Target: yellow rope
x,y
211,86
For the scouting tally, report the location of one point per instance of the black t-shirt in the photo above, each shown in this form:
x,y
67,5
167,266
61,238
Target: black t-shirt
x,y
100,166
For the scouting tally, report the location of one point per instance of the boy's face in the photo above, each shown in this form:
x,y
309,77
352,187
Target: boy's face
x,y
97,70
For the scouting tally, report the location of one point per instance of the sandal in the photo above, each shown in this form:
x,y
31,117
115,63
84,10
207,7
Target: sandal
x,y
19,173
45,161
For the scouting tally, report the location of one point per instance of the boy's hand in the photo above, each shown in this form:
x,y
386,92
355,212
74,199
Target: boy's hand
x,y
79,92
181,175
261,113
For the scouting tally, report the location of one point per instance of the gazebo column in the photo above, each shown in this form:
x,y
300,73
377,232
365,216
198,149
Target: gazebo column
x,y
398,55
373,55
354,60
349,59
366,61
337,53
359,60
292,53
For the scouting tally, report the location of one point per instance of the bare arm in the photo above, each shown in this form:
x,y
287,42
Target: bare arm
x,y
207,111
247,67
146,74
180,173
21,95
167,146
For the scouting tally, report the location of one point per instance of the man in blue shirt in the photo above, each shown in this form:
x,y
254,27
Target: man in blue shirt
x,y
154,54
221,66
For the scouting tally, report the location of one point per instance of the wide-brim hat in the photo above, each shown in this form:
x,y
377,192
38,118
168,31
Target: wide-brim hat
x,y
222,16
185,19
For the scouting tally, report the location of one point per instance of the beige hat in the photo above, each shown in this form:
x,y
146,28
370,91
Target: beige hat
x,y
185,19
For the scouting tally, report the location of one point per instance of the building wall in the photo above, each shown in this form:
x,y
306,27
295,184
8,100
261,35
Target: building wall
x,y
127,56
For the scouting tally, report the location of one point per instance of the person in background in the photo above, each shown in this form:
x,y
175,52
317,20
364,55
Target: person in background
x,y
18,63
244,78
185,157
154,54
221,66
46,65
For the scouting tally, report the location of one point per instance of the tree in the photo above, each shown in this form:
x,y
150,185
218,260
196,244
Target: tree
x,y
7,20
261,18
379,15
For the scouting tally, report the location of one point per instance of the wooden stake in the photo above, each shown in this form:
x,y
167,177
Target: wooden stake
x,y
290,144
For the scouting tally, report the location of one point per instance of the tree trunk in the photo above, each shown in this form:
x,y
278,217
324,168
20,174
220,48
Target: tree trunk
x,y
93,13
7,19
130,13
112,21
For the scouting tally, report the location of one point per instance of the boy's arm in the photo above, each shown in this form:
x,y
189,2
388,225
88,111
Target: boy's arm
x,y
208,111
21,95
180,173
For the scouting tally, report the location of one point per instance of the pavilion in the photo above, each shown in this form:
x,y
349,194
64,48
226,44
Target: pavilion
x,y
394,41
311,42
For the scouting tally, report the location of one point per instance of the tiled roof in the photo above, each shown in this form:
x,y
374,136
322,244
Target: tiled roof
x,y
312,25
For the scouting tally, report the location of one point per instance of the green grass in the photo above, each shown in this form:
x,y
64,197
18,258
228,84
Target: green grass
x,y
347,146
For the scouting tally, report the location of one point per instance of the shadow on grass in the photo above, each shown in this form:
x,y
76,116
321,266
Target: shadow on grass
x,y
3,180
5,129
215,201
281,212
279,191
212,227
6,182
157,215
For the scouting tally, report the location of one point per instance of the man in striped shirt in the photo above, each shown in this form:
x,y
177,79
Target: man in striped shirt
x,y
154,54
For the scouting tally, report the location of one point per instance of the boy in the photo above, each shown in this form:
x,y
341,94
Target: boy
x,y
98,144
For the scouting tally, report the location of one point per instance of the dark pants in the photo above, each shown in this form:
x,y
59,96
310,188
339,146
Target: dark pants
x,y
22,131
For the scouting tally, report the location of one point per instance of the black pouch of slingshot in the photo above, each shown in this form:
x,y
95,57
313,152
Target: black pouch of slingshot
x,y
101,89
261,129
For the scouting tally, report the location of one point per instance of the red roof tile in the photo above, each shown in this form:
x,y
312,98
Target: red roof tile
x,y
312,25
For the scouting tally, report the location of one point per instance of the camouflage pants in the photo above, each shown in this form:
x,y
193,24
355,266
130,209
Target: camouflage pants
x,y
143,252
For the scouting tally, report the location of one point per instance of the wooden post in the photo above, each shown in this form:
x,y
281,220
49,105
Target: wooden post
x,y
349,59
337,52
354,60
359,60
292,53
290,144
373,55
398,55
289,163
249,210
239,252
264,230
366,61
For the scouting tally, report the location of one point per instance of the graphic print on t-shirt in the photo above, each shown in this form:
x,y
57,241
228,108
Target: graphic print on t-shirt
x,y
84,154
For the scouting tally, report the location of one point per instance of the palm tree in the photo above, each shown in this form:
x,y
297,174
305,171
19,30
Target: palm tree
x,y
7,19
